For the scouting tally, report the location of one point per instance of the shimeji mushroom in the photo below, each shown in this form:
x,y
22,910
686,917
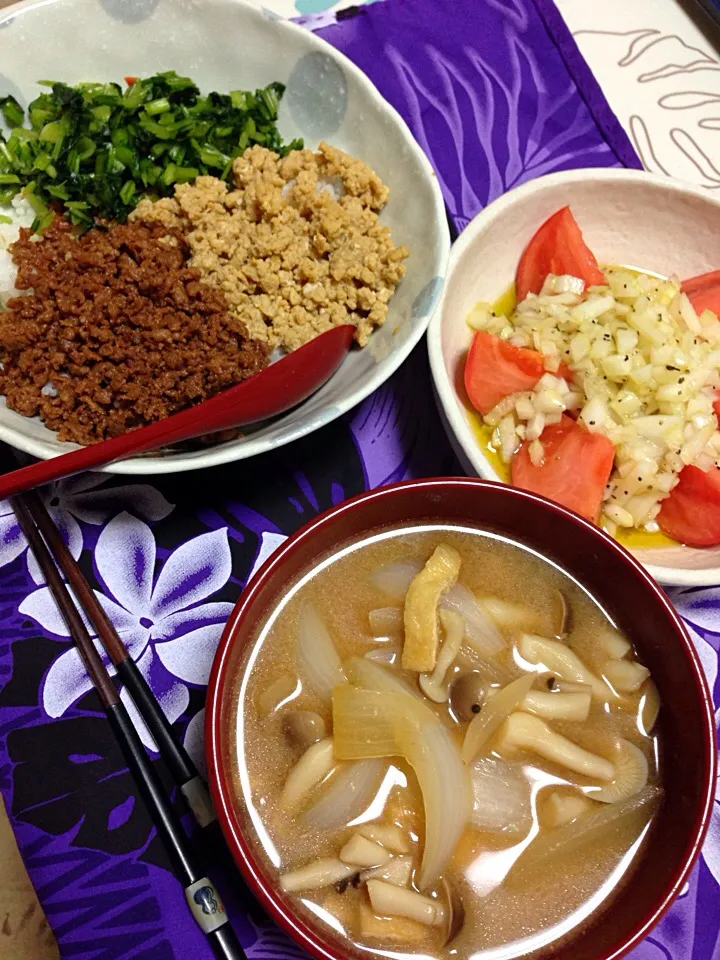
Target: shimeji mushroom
x,y
303,728
312,767
397,871
557,706
388,834
631,775
562,661
467,695
433,684
323,872
363,852
521,731
610,641
562,808
390,901
649,707
626,676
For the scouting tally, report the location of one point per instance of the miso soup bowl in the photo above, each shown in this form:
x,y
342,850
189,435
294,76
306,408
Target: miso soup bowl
x,y
618,582
626,217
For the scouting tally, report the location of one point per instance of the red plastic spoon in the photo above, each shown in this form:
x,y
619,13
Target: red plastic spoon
x,y
275,389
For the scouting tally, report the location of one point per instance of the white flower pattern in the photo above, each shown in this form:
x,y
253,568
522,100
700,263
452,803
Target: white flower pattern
x,y
164,620
78,498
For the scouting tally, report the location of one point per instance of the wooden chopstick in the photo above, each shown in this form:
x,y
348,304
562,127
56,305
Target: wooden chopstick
x,y
171,749
202,897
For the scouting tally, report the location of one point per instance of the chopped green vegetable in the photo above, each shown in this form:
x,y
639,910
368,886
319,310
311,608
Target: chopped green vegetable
x,y
92,151
4,219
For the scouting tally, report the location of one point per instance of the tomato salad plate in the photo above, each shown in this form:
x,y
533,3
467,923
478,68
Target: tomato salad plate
x,y
576,354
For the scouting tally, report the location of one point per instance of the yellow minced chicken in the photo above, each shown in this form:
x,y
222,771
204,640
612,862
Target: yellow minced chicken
x,y
296,248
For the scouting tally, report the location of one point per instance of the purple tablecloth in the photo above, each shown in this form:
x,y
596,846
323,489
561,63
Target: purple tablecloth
x,y
496,93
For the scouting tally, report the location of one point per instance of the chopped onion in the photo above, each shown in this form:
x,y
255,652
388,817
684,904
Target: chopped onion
x,y
501,796
484,725
559,844
480,631
566,283
394,579
349,793
317,655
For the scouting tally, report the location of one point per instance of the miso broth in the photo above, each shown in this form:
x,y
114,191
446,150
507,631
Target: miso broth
x,y
380,814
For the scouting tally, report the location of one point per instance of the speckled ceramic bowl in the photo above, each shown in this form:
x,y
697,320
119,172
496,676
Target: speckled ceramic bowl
x,y
627,216
224,45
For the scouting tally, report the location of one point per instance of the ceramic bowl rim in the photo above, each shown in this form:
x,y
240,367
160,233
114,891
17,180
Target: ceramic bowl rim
x,y
260,883
214,456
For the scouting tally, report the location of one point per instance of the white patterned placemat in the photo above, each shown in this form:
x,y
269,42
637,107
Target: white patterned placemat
x,y
658,63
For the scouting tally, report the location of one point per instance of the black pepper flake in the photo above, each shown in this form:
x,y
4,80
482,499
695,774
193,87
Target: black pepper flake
x,y
355,880
627,357
681,379
591,422
475,708
342,885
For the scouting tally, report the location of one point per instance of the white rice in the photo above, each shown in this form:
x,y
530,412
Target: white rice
x,y
646,370
22,215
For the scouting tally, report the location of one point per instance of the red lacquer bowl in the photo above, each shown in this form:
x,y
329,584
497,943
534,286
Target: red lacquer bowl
x,y
618,583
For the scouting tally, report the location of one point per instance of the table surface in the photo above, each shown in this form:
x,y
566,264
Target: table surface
x,y
658,64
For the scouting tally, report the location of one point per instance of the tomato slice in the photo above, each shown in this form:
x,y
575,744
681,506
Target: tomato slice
x,y
495,368
557,247
704,292
575,470
691,514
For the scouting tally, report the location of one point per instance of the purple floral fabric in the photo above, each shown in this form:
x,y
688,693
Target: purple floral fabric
x,y
496,93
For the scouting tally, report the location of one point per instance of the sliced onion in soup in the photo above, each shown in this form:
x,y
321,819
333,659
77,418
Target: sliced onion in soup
x,y
371,723
560,844
481,633
349,793
394,579
318,658
495,711
501,796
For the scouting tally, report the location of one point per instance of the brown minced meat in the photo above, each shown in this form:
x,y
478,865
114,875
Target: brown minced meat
x,y
296,248
117,331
